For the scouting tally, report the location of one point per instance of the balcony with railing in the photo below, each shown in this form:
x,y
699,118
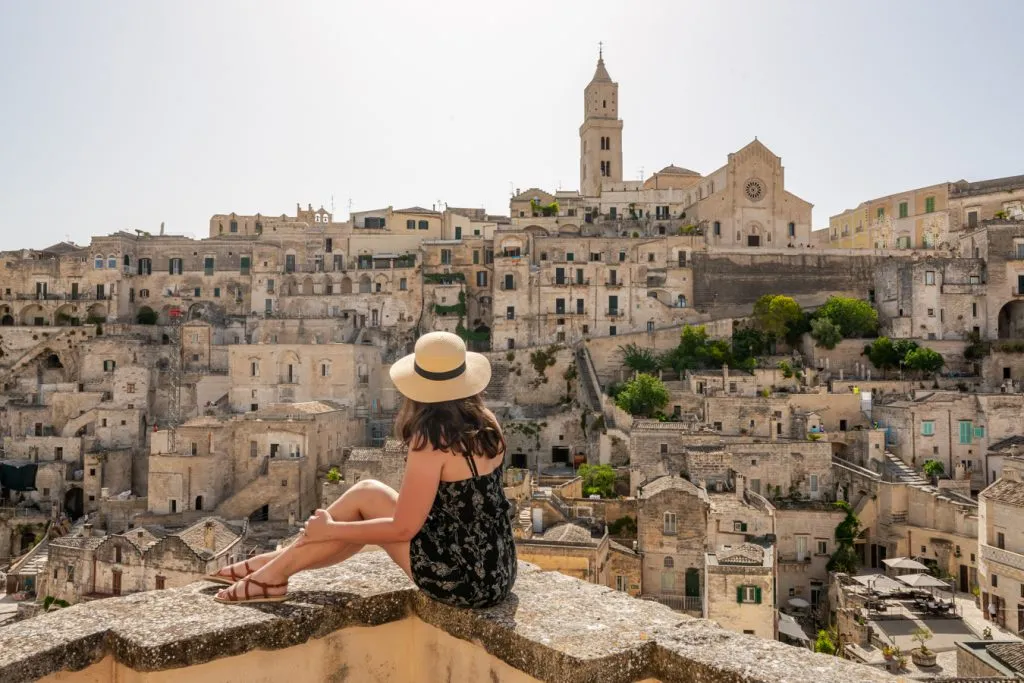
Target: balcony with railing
x,y
613,283
507,286
614,312
347,618
1007,558
691,604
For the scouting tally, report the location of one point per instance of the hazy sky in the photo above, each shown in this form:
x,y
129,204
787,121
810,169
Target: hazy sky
x,y
120,115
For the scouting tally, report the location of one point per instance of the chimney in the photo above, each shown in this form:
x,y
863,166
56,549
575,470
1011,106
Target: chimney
x,y
208,537
741,485
87,530
140,534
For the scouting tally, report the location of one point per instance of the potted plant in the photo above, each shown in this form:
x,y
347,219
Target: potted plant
x,y
922,656
889,653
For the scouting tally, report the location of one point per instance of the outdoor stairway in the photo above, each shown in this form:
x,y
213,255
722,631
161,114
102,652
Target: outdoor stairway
x,y
497,389
526,521
903,472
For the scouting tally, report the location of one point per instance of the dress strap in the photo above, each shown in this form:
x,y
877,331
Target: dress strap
x,y
472,464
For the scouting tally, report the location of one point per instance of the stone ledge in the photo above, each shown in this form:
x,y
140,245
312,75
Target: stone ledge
x,y
554,628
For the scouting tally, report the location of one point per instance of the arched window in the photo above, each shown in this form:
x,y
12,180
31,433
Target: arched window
x,y
112,262
99,262
669,563
316,218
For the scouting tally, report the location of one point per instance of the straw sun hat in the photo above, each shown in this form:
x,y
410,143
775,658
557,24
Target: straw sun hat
x,y
441,369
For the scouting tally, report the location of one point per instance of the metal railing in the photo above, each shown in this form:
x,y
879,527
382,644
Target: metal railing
x,y
680,603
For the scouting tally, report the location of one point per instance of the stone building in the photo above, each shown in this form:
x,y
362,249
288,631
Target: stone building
x,y
261,374
913,219
90,566
740,589
1001,546
951,427
971,203
261,465
672,522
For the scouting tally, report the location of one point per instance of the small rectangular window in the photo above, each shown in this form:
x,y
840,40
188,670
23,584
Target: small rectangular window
x,y
966,431
424,225
929,204
208,265
929,277
927,427
903,209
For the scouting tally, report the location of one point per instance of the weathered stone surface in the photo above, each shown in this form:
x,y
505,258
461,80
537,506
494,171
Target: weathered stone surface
x,y
554,628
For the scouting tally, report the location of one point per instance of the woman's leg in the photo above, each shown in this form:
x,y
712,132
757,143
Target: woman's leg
x,y
368,499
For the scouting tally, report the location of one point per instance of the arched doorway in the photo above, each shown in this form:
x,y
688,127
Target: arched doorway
x,y
481,340
346,285
1011,320
199,503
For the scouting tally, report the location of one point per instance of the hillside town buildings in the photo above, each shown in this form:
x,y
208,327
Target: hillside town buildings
x,y
172,404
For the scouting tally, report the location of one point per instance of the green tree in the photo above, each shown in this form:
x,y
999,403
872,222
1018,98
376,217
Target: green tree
x,y
924,360
826,333
599,479
824,643
696,350
844,559
883,354
639,359
933,468
748,343
643,395
776,315
855,317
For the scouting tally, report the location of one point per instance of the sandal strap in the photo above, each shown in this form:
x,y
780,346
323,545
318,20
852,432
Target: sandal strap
x,y
265,586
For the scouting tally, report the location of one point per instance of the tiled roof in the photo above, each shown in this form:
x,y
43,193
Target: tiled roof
x,y
80,542
748,553
568,533
672,169
194,536
1010,654
141,537
1006,491
1007,443
670,482
418,209
612,545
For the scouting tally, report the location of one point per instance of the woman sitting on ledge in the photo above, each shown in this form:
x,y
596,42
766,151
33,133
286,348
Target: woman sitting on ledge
x,y
449,529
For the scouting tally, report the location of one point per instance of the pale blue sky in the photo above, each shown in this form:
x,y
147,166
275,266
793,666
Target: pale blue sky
x,y
120,115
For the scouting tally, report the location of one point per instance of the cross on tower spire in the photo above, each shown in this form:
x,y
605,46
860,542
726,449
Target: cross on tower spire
x,y
600,49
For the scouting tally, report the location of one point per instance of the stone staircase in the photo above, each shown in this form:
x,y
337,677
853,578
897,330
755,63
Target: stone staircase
x,y
497,390
265,489
588,379
73,425
903,472
526,522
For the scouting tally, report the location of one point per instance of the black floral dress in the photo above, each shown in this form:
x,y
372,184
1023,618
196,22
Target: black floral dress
x,y
465,554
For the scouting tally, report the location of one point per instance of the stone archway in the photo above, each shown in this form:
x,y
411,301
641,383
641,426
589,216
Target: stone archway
x,y
346,285
33,314
1011,320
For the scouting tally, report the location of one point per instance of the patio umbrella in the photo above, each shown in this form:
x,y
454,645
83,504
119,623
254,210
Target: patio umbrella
x,y
798,602
789,627
922,581
878,582
905,563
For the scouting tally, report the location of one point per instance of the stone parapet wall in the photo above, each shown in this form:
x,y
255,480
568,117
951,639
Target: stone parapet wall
x,y
553,628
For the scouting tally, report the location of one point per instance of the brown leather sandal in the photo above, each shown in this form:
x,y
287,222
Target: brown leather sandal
x,y
217,577
233,598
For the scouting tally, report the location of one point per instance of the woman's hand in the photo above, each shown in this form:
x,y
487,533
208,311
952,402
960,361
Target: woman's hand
x,y
318,526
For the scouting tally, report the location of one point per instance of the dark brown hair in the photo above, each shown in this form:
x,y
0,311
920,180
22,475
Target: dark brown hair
x,y
461,426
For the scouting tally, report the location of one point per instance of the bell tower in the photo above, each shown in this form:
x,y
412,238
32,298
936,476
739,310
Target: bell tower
x,y
601,132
